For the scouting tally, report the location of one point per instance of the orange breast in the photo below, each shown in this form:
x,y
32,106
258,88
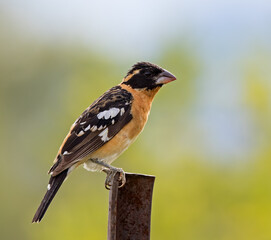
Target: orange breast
x,y
140,110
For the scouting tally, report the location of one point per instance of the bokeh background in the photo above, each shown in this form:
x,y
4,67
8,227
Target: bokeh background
x,y
208,139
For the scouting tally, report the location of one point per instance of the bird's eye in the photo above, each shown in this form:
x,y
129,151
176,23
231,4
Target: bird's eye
x,y
147,74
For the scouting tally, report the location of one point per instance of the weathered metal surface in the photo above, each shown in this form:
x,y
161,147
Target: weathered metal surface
x,y
130,208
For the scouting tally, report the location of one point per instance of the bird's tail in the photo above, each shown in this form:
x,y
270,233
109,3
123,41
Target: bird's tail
x,y
53,186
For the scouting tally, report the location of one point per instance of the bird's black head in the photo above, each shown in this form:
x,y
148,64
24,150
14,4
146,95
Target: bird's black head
x,y
147,76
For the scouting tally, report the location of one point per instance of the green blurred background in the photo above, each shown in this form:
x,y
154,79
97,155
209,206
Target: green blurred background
x,y
208,139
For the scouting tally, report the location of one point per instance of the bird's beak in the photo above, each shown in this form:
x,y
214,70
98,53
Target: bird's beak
x,y
165,77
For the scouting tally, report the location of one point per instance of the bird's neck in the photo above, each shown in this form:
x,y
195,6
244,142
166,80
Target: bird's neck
x,y
149,94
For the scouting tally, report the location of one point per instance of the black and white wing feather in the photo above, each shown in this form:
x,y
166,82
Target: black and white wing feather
x,y
97,125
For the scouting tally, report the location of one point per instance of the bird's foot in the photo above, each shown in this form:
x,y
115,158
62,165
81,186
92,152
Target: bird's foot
x,y
111,173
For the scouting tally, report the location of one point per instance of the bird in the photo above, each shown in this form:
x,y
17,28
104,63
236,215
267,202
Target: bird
x,y
106,129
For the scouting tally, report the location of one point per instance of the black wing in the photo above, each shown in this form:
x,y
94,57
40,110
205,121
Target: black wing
x,y
97,125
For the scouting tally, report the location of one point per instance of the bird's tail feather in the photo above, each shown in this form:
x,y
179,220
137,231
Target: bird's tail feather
x,y
53,186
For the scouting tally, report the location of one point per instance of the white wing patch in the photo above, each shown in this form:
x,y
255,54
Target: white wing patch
x,y
80,133
104,135
65,153
122,111
48,187
101,127
93,128
111,113
87,128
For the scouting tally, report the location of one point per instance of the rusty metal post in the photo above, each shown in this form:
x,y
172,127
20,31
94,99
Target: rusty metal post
x,y
130,208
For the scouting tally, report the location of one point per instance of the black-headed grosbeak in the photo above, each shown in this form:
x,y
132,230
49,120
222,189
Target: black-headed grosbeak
x,y
107,128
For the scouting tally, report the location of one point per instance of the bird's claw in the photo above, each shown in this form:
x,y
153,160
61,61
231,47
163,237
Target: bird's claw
x,y
111,173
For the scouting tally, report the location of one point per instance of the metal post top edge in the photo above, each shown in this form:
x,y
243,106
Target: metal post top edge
x,y
139,175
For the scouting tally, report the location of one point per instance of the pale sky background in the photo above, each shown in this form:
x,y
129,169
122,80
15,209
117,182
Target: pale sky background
x,y
223,33
145,25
